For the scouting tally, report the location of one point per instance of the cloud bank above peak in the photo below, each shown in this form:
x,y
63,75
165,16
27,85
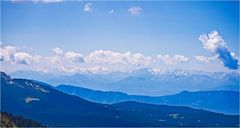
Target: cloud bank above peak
x,y
99,61
105,61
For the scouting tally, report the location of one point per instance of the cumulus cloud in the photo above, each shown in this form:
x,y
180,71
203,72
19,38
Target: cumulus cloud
x,y
204,58
88,7
48,1
135,11
109,57
167,59
99,61
180,58
23,58
10,54
69,56
75,57
7,53
58,51
38,1
217,46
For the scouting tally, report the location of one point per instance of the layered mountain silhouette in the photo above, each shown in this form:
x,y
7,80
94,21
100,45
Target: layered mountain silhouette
x,y
145,81
42,103
218,101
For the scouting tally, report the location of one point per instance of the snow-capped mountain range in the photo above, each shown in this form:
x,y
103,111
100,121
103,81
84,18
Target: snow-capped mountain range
x,y
145,81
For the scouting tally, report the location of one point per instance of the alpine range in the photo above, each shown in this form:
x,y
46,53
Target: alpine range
x,y
77,63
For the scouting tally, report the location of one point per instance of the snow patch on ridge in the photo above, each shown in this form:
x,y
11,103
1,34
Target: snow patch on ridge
x,y
31,99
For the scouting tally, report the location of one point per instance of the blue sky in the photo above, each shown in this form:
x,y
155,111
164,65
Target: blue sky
x,y
157,28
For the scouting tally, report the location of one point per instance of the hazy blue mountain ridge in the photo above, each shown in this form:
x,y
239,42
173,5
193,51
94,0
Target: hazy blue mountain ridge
x,y
218,101
46,105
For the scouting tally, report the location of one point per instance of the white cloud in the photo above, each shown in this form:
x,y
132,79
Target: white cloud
x,y
7,53
88,7
217,46
62,57
110,12
99,61
180,58
75,57
135,10
10,54
23,58
58,51
204,58
212,41
48,1
54,59
167,59
109,57
38,1
139,60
